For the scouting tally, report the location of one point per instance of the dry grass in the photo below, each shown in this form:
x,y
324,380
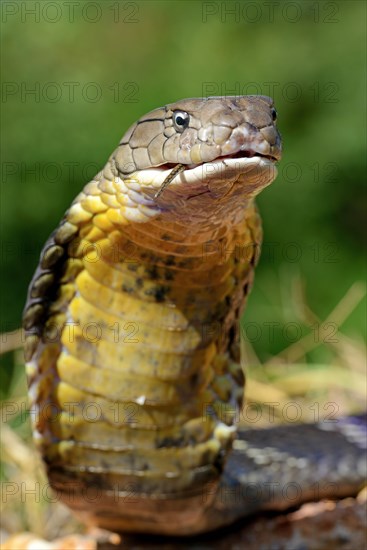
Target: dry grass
x,y
27,502
336,387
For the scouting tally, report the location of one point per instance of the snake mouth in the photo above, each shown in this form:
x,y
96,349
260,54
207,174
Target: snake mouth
x,y
246,154
250,170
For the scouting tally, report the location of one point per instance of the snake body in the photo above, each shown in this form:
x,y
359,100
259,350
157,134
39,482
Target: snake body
x,y
131,333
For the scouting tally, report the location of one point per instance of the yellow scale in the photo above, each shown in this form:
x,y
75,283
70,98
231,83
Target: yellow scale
x,y
133,351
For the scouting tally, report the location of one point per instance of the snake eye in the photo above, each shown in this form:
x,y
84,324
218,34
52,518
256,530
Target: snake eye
x,y
180,120
274,114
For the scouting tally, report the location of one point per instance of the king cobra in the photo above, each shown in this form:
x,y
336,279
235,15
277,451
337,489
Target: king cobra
x,y
132,344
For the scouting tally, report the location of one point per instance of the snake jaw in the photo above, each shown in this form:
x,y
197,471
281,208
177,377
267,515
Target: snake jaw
x,y
240,175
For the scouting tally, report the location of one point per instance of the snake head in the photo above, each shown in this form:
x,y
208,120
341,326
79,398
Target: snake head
x,y
217,141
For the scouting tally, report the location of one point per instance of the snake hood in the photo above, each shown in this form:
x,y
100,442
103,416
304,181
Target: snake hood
x,y
202,146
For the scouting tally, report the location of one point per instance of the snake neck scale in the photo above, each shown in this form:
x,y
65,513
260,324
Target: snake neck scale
x,y
131,332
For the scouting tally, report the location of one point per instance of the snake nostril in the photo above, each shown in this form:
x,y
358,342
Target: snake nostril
x,y
274,114
270,134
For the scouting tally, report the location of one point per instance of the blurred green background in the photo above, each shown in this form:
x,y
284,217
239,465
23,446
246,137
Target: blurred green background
x,y
76,76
